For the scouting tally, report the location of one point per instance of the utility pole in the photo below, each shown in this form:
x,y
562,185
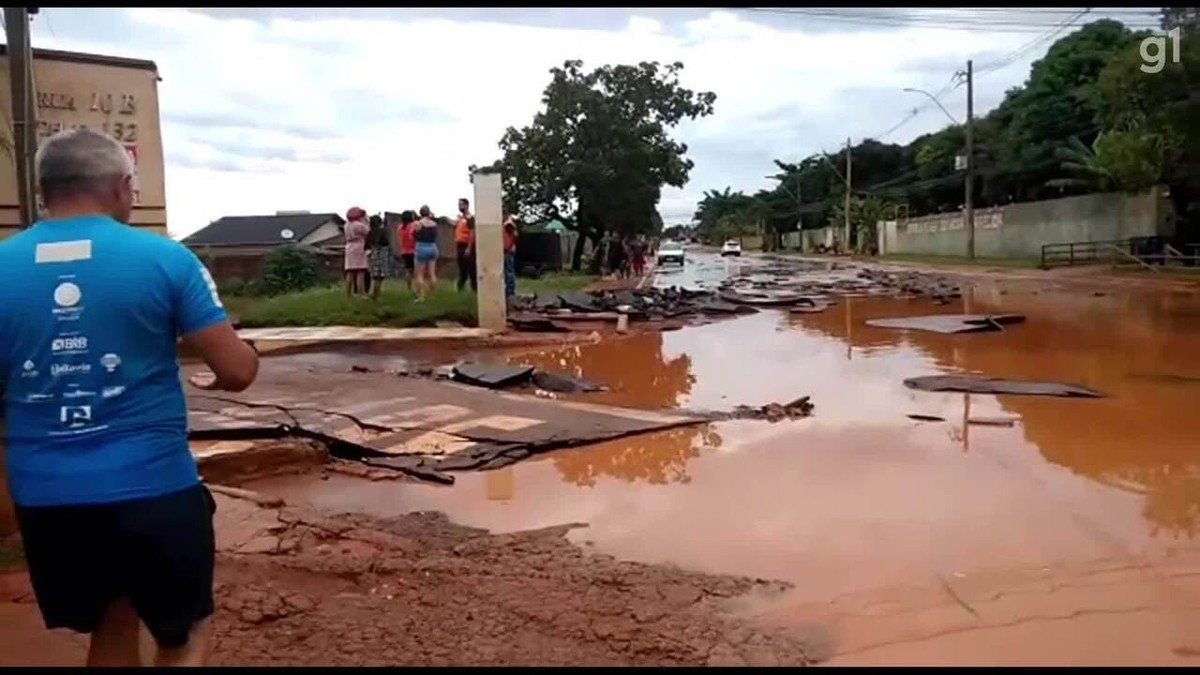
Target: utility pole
x,y
969,201
848,170
799,216
24,108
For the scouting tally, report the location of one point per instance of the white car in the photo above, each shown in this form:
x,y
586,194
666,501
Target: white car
x,y
669,252
731,247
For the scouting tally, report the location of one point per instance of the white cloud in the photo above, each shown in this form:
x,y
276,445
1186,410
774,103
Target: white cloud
x,y
644,25
388,112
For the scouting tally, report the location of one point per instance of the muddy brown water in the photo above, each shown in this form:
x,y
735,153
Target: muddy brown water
x,y
859,500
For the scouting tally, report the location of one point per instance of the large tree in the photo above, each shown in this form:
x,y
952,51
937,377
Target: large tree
x,y
1087,87
1159,112
599,153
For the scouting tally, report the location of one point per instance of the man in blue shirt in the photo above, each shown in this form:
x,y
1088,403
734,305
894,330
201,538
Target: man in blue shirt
x,y
115,523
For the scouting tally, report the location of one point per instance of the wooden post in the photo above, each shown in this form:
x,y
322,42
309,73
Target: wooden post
x,y
489,251
24,109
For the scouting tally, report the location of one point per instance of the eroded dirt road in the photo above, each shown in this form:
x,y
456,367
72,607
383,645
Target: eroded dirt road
x,y
295,587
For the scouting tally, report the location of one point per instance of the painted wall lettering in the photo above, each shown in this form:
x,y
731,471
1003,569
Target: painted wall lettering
x,y
50,100
126,132
102,103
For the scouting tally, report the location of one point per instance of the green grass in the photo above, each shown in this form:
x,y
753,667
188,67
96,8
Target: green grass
x,y
567,281
329,306
1029,263
395,308
239,304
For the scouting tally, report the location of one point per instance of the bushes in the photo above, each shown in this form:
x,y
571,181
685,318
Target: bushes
x,y
289,269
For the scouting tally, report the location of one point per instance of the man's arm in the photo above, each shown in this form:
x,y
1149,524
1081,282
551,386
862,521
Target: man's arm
x,y
201,320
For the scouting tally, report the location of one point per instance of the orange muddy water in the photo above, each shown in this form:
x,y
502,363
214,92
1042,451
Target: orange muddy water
x,y
1068,537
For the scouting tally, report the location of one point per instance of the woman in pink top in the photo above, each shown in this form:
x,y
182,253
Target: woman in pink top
x,y
355,266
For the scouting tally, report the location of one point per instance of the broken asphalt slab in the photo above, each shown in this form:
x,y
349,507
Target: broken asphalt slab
x,y
418,426
564,384
491,376
950,323
650,305
970,384
819,278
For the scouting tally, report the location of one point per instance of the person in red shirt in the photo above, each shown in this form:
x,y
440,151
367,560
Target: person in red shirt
x,y
510,256
637,254
407,245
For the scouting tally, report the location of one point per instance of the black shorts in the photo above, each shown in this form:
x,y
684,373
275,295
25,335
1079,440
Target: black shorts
x,y
410,261
158,552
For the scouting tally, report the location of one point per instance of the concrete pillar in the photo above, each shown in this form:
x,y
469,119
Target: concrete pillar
x,y
489,250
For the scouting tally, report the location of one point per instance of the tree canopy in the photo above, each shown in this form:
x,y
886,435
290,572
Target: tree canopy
x,y
599,152
1089,118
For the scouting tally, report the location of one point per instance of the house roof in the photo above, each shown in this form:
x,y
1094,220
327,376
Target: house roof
x,y
94,59
260,230
338,239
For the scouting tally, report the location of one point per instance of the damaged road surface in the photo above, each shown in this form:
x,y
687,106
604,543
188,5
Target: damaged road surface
x,y
970,384
950,323
416,426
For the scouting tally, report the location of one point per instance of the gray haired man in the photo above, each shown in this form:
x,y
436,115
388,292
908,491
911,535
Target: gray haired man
x,y
116,524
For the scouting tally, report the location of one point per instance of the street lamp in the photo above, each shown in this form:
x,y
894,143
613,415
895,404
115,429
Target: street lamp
x,y
934,99
969,164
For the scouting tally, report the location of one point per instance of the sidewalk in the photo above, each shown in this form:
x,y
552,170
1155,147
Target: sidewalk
x,y
1095,276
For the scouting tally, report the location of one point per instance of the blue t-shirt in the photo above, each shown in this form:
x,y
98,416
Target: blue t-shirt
x,y
90,313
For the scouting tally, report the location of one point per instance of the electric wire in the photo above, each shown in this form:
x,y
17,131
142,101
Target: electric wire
x,y
1016,54
1030,22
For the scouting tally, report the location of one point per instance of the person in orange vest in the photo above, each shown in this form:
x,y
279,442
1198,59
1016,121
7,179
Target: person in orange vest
x,y
510,256
464,243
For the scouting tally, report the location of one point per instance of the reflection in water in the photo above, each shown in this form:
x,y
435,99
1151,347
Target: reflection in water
x,y
501,484
634,367
1137,347
639,375
657,458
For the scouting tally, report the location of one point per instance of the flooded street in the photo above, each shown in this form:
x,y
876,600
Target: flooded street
x,y
1067,537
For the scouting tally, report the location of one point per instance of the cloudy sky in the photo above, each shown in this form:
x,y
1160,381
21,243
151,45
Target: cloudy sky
x,y
322,109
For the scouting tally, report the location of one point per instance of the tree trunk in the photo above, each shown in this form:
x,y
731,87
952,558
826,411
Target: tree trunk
x,y
594,267
577,254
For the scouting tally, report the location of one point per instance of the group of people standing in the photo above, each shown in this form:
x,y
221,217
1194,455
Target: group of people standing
x,y
625,256
372,255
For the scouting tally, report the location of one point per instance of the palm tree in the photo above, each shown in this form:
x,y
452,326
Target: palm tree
x,y
1082,161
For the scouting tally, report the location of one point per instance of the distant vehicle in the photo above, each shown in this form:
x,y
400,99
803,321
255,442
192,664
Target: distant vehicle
x,y
732,247
670,252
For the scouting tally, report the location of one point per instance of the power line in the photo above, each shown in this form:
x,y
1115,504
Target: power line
x,y
975,17
1032,44
954,83
1035,22
45,14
